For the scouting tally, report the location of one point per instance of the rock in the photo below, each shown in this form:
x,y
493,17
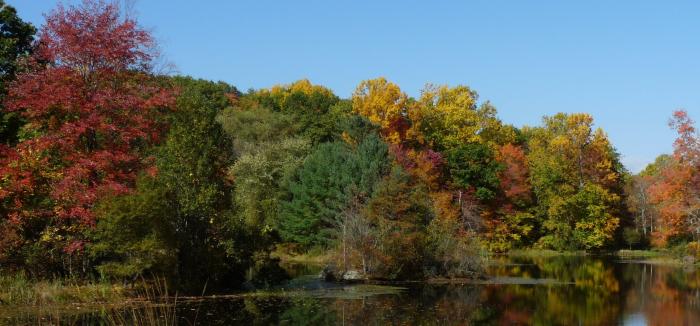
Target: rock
x,y
352,276
328,274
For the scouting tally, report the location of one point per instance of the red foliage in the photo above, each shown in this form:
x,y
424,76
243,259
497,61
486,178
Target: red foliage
x,y
90,98
426,165
514,177
676,190
397,127
670,193
687,145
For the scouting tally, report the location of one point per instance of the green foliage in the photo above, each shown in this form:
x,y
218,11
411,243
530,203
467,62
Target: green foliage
x,y
632,237
473,166
248,128
583,220
356,128
654,168
578,180
323,186
517,230
178,222
134,235
196,150
190,164
259,177
315,109
16,38
452,118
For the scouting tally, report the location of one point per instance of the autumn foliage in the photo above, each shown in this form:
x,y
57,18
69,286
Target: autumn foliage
x,y
92,104
117,171
675,189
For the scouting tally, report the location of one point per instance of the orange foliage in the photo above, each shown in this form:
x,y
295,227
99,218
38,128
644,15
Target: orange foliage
x,y
676,190
514,177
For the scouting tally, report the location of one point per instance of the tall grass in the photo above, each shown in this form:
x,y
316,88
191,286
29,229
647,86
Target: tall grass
x,y
158,309
17,289
315,256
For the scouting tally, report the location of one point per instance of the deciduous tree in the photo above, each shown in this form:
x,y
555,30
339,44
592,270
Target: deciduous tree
x,y
90,101
676,191
577,178
383,103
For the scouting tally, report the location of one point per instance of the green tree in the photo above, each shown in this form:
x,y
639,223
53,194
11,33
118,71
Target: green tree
x,y
134,235
473,166
249,127
16,38
259,177
632,237
190,200
315,109
323,186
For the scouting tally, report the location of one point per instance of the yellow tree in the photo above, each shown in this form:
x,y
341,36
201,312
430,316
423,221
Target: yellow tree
x,y
383,103
576,176
451,117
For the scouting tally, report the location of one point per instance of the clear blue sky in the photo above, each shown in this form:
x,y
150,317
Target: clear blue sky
x,y
628,63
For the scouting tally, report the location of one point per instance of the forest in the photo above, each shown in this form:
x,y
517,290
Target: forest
x,y
111,169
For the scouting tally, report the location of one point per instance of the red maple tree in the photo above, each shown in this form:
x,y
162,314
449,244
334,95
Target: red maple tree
x,y
676,190
514,176
91,103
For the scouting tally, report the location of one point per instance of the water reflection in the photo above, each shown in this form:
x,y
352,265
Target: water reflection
x,y
575,291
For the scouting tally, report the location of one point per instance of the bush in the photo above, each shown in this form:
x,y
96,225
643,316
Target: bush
x,y
454,253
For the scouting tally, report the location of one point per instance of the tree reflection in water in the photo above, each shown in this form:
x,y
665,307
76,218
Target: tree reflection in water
x,y
578,291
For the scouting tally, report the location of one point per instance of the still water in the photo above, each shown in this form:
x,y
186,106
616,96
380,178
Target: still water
x,y
540,291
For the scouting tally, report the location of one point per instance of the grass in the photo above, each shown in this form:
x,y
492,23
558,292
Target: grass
x,y
312,257
162,313
63,301
17,289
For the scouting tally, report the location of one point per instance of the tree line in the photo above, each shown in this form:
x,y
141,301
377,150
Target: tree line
x,y
110,169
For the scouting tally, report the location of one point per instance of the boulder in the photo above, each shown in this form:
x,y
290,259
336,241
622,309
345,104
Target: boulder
x,y
353,276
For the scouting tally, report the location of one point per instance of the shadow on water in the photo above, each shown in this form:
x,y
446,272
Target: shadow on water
x,y
551,291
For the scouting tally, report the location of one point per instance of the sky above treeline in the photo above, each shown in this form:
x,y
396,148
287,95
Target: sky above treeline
x,y
628,63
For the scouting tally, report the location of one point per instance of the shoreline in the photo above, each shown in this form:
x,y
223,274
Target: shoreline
x,y
21,292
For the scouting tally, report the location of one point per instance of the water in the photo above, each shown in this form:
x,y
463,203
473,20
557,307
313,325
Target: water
x,y
543,291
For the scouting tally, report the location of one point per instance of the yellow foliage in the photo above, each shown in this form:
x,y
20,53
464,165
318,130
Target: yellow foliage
x,y
453,117
383,103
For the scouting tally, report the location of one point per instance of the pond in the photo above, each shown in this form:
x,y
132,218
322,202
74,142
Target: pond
x,y
545,291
